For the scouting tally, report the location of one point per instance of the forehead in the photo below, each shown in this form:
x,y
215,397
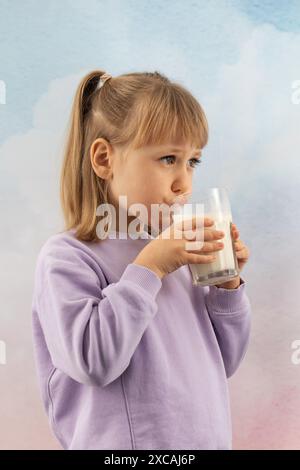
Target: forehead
x,y
171,147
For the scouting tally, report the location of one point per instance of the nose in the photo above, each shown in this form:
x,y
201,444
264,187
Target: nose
x,y
182,182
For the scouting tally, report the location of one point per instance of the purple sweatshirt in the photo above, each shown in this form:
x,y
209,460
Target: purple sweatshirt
x,y
127,360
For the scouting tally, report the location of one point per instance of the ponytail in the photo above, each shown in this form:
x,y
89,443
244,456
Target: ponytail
x,y
71,182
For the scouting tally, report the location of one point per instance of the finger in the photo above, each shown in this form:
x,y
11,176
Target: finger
x,y
206,235
193,223
193,258
207,247
238,245
213,234
199,221
241,247
234,230
242,254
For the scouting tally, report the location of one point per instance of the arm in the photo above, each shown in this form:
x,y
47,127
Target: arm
x,y
92,332
230,314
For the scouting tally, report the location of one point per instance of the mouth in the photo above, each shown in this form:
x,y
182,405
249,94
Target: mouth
x,y
181,199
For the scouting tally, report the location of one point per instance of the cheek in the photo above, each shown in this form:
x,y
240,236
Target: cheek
x,y
133,181
143,185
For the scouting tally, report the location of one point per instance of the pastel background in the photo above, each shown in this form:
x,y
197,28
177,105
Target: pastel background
x,y
241,59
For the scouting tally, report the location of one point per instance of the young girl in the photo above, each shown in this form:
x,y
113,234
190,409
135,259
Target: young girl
x,y
129,353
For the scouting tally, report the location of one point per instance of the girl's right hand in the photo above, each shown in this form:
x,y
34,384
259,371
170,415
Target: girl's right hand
x,y
165,255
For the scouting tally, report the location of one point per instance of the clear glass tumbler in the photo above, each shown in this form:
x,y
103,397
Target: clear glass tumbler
x,y
213,203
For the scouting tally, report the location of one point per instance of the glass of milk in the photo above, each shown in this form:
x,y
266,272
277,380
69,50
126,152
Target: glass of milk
x,y
213,203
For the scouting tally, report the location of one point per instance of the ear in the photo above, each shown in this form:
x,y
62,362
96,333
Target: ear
x,y
101,158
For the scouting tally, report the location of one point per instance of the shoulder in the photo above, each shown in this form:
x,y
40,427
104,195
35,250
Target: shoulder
x,y
64,252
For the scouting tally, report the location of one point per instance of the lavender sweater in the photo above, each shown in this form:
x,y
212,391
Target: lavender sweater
x,y
126,360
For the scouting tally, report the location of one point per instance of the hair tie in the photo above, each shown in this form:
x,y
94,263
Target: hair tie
x,y
102,80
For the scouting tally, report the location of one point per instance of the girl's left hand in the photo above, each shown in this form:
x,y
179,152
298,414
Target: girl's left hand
x,y
242,251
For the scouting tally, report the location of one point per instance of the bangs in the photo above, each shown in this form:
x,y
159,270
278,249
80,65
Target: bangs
x,y
166,115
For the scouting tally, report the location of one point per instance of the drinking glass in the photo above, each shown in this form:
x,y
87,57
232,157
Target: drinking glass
x,y
213,203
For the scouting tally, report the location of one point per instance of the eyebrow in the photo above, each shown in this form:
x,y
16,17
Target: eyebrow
x,y
178,149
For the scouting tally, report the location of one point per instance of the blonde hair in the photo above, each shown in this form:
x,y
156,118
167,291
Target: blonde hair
x,y
129,110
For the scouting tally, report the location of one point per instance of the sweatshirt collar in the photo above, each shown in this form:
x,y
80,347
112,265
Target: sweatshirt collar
x,y
144,234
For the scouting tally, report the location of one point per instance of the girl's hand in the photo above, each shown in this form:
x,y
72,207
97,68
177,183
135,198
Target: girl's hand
x,y
242,251
242,254
165,255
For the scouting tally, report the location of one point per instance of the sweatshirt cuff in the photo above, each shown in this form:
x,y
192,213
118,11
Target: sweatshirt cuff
x,y
221,300
143,277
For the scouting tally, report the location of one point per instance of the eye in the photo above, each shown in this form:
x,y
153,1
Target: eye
x,y
195,161
167,157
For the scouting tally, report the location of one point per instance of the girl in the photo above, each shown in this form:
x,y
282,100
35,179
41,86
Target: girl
x,y
129,353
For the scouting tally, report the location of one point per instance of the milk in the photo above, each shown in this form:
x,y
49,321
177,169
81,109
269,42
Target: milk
x,y
225,267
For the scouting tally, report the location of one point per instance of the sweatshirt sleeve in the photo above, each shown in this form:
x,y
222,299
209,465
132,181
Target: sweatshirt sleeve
x,y
92,332
230,314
